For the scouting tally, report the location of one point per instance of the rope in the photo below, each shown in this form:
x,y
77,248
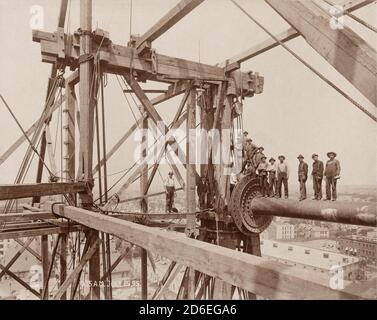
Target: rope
x,y
373,117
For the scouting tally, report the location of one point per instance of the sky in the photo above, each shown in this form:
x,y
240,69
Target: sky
x,y
296,114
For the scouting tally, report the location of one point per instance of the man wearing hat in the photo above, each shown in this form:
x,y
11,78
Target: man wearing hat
x,y
272,181
258,156
317,174
283,176
332,174
262,173
302,176
170,192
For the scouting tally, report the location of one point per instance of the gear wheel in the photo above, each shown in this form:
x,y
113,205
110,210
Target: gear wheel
x,y
240,207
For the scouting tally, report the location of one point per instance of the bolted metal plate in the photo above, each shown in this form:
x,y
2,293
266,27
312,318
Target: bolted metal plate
x,y
240,207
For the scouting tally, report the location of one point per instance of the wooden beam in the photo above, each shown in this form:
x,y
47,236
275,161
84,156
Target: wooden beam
x,y
255,274
286,35
19,191
121,59
25,217
15,257
183,8
20,281
33,232
345,50
262,47
63,288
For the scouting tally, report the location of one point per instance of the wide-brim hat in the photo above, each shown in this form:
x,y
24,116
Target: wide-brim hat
x,y
245,132
300,156
314,155
331,152
271,159
281,157
260,148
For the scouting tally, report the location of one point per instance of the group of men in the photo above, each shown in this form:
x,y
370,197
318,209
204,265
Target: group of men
x,y
274,176
331,173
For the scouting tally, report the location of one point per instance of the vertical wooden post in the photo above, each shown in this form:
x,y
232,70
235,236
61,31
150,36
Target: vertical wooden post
x,y
144,208
42,153
45,260
70,139
191,159
63,263
87,95
191,180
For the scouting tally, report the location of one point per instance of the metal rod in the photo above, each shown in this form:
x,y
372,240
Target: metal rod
x,y
357,213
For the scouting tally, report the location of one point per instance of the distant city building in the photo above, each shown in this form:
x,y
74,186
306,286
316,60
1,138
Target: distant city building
x,y
313,259
280,231
359,246
319,233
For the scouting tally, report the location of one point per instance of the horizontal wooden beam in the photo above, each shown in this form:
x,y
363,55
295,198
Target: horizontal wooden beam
x,y
19,191
118,59
35,232
252,273
183,8
25,217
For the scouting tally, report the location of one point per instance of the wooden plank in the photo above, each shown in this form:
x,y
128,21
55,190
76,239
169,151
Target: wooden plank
x,y
345,50
25,217
262,47
19,191
183,8
63,288
15,257
252,273
286,35
32,232
20,281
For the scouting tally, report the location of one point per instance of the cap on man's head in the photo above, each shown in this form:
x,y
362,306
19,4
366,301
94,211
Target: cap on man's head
x,y
331,153
264,157
171,173
261,148
300,156
245,133
281,157
272,160
314,155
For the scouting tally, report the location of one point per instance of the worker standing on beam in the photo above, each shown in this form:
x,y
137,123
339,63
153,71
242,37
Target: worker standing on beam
x,y
332,173
317,174
262,173
283,176
302,176
170,192
272,181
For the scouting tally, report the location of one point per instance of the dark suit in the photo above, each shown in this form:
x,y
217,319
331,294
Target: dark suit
x,y
302,177
317,174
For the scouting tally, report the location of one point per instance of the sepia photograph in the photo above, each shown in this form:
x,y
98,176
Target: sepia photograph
x,y
156,151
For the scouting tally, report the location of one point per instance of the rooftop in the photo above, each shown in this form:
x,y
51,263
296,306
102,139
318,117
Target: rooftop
x,y
304,255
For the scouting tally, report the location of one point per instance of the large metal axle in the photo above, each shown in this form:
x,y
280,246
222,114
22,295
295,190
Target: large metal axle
x,y
358,213
253,213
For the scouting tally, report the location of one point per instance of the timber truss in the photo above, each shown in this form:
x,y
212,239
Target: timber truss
x,y
221,257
